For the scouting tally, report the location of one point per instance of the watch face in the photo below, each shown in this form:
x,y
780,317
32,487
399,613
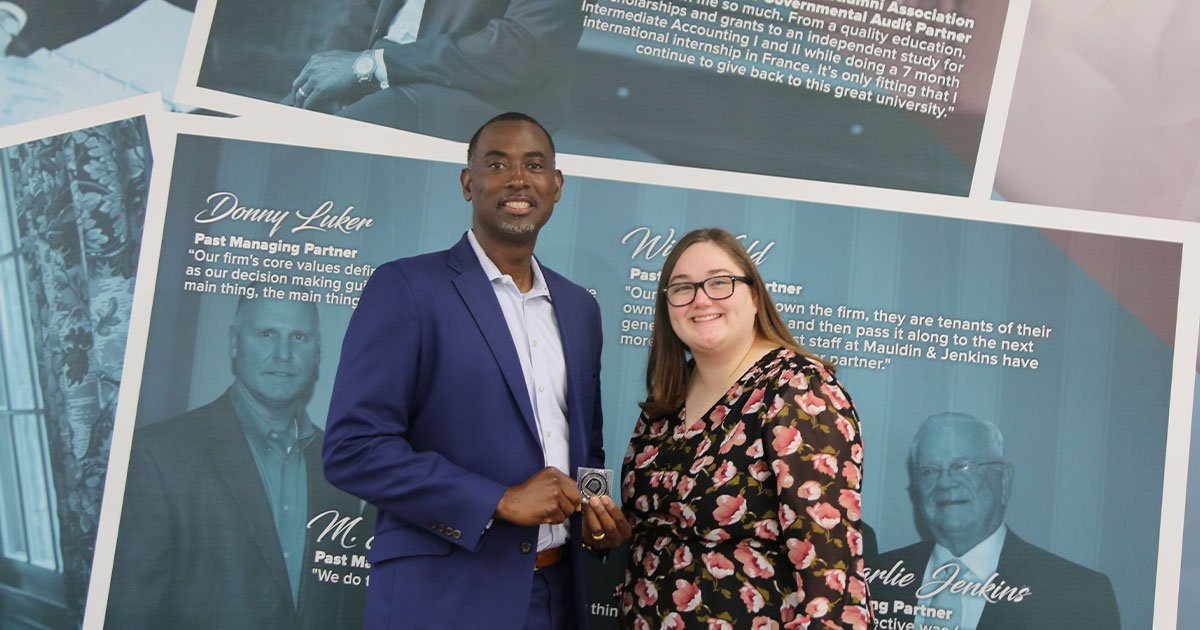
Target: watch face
x,y
364,66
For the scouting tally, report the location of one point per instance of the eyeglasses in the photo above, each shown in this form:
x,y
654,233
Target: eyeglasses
x,y
716,288
956,471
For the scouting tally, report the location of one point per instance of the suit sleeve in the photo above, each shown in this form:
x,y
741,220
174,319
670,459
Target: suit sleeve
x,y
145,548
507,53
814,448
366,450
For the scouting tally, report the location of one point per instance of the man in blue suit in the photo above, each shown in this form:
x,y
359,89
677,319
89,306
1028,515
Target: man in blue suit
x,y
467,396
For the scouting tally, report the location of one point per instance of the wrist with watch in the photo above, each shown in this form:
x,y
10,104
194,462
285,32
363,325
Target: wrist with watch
x,y
364,66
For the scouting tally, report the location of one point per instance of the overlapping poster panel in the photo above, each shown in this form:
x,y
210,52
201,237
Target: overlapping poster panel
x,y
923,315
883,93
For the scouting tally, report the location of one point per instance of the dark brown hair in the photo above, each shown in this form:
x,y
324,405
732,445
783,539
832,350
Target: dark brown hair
x,y
668,365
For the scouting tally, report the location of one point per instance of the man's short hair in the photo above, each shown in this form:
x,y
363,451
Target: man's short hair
x,y
994,437
507,116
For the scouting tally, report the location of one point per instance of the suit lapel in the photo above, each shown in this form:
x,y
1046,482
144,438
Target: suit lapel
x,y
570,332
480,299
236,463
383,19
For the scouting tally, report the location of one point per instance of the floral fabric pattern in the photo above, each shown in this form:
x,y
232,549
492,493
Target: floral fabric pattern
x,y
750,518
80,202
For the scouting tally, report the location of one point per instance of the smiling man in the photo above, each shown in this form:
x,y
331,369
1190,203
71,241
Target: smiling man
x,y
214,525
976,574
467,396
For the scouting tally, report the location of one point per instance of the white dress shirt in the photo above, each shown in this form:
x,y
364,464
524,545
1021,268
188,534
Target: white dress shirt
x,y
403,30
981,560
534,330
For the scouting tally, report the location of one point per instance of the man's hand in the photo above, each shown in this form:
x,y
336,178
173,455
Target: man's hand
x,y
546,498
328,82
604,524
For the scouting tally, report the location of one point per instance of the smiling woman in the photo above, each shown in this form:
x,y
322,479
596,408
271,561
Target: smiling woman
x,y
744,471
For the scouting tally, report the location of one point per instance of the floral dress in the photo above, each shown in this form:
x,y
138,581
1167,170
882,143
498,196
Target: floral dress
x,y
749,519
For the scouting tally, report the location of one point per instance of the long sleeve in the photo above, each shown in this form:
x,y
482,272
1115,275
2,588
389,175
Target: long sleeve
x,y
813,444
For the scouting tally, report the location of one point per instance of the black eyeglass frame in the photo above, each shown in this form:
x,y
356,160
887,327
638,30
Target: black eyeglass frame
x,y
700,285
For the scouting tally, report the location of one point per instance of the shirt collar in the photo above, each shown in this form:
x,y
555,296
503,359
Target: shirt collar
x,y
982,559
493,274
259,429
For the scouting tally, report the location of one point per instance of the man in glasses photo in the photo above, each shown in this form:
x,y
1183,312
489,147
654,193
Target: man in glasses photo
x,y
976,573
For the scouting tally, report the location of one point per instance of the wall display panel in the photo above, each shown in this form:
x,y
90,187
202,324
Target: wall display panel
x,y
923,314
875,92
72,204
73,54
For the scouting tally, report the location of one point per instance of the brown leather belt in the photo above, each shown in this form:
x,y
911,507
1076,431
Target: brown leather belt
x,y
550,557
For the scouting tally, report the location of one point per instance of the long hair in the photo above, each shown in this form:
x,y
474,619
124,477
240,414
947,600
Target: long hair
x,y
668,366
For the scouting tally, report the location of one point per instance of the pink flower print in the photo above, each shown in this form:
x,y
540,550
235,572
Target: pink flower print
x,y
786,516
628,454
754,402
852,474
825,463
718,415
801,553
670,478
785,376
641,624
693,431
686,516
845,427
716,535
810,403
658,429
824,515
650,564
767,529
627,602
729,509
754,564
672,622
799,623
717,564
682,558
755,450
817,607
701,464
735,437
645,457
776,406
751,597
646,593
856,452
835,579
787,440
627,486
810,490
857,589
783,474
764,623
724,474
640,427
852,501
718,624
685,486
642,503
856,617
703,447
759,471
787,608
835,395
686,596
854,541
661,542
656,479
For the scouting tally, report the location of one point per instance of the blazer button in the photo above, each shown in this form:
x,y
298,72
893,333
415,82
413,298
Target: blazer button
x,y
456,534
526,547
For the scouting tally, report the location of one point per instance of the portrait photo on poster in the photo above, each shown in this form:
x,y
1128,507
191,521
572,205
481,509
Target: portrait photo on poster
x,y
879,93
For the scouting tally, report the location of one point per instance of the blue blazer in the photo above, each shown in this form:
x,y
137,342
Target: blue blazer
x,y
430,421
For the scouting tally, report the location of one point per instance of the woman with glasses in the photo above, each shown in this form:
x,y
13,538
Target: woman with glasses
x,y
743,475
